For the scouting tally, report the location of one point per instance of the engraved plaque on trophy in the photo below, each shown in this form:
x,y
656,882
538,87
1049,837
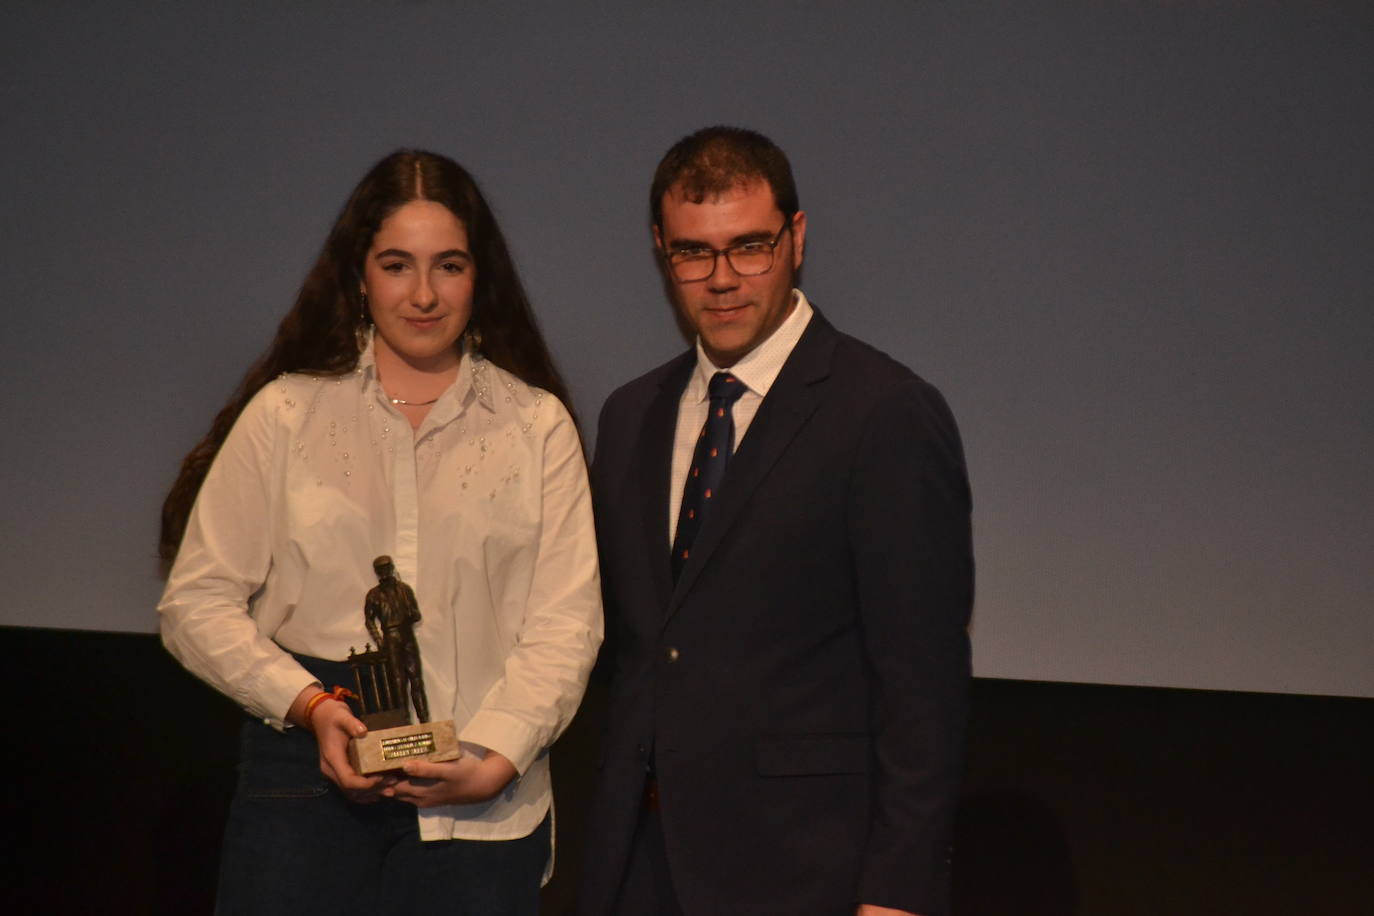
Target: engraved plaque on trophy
x,y
389,683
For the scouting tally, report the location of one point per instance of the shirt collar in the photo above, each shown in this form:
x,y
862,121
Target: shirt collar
x,y
758,368
367,359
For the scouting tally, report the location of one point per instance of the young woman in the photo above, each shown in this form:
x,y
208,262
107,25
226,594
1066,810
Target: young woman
x,y
408,407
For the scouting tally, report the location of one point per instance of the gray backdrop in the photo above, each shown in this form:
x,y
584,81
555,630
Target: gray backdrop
x,y
1129,241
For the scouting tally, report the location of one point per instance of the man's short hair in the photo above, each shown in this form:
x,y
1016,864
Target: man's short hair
x,y
718,159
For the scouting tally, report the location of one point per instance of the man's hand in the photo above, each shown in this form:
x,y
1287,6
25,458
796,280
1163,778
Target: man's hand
x,y
464,781
868,909
333,725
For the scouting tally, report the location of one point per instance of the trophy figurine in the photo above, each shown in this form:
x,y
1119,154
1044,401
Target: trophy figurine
x,y
389,683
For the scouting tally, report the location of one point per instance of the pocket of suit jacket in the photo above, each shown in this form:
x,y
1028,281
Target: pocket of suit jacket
x,y
811,755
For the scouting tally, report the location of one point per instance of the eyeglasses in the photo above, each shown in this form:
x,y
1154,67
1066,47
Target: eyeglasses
x,y
748,259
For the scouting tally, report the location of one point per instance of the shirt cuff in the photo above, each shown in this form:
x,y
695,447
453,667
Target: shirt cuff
x,y
508,736
275,689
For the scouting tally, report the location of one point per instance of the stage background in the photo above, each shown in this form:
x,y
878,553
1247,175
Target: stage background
x,y
1128,240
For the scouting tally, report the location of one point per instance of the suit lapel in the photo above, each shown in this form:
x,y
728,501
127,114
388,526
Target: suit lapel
x,y
656,469
791,401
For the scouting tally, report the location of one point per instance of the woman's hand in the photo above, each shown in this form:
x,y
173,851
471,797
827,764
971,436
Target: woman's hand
x,y
464,781
334,725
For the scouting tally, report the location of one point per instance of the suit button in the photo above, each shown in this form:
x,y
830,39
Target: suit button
x,y
672,655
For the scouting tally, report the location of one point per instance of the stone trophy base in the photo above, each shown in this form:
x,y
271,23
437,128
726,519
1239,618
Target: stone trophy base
x,y
388,748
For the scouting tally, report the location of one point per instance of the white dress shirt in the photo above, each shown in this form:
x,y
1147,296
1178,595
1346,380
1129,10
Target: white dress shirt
x,y
757,370
484,510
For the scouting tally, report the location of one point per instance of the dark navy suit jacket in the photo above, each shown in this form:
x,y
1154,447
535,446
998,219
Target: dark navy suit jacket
x,y
802,690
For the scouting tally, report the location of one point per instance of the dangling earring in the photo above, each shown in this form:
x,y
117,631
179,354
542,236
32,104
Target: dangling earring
x,y
473,338
360,329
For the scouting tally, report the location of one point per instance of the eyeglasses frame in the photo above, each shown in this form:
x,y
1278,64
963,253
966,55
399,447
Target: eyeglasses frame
x,y
667,255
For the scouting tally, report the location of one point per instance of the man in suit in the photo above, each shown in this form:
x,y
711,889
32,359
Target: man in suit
x,y
783,520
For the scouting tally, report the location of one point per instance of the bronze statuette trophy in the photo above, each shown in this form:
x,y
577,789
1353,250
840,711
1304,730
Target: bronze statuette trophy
x,y
389,682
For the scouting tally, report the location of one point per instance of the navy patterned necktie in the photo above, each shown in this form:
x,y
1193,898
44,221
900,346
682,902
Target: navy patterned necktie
x,y
712,454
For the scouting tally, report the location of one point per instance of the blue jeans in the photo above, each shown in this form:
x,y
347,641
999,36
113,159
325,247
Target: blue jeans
x,y
294,844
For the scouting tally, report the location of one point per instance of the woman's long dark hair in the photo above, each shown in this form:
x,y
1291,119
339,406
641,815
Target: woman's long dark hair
x,y
319,334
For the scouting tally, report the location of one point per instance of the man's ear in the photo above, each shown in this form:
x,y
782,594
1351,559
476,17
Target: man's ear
x,y
798,238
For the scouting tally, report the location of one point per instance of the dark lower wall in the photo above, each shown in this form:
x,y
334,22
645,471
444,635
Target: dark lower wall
x,y
1079,799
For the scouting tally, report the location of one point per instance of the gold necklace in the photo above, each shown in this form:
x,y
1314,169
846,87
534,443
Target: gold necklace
x,y
404,403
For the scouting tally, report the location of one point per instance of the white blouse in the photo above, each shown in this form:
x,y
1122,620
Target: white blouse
x,y
485,512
